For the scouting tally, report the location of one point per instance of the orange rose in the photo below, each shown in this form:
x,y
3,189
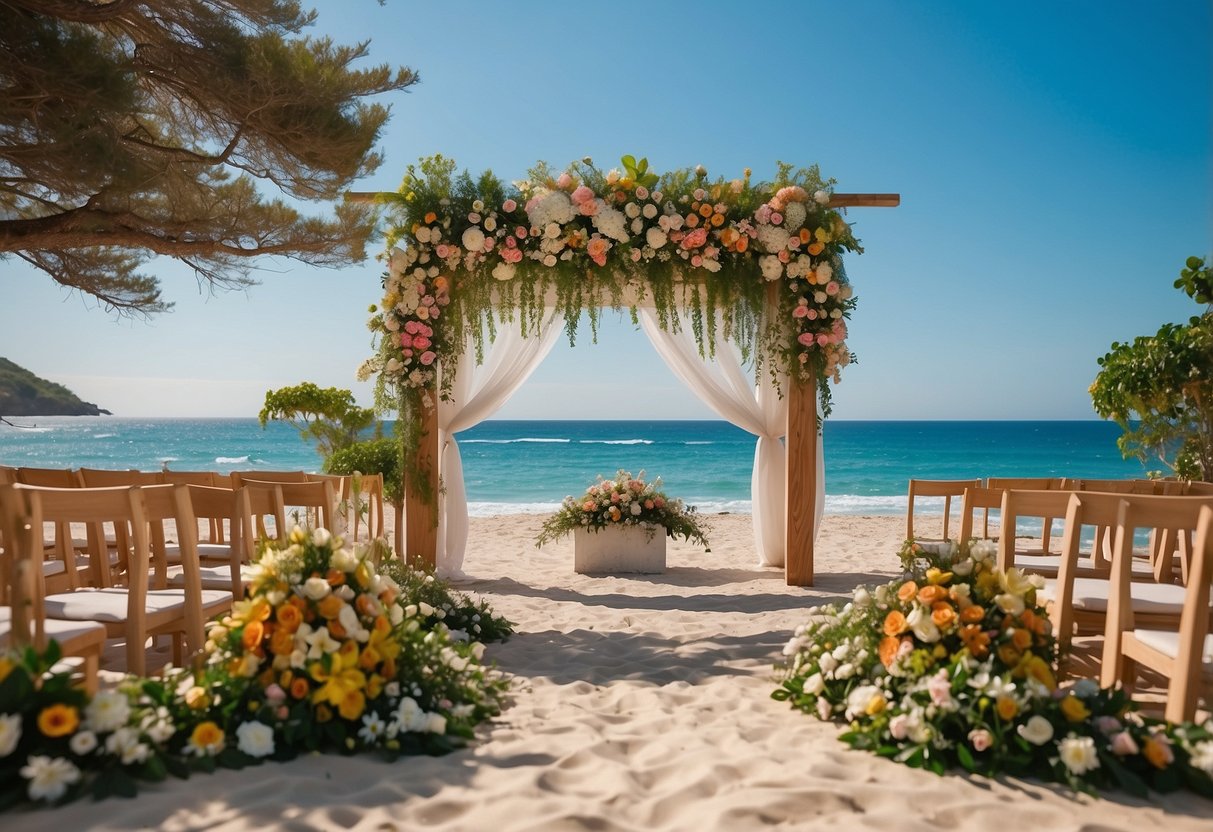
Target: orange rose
x,y
335,577
816,249
895,623
717,220
804,236
972,615
889,645
330,607
1021,638
336,630
976,640
1034,622
430,216
931,595
300,688
1007,708
252,635
942,614
705,210
1158,752
907,592
743,242
282,643
289,617
1009,655
58,720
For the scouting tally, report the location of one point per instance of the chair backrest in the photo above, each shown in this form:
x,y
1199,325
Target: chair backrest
x,y
166,504
222,504
979,498
1113,486
123,509
209,478
1169,518
255,502
1018,504
238,477
102,478
948,489
1199,489
8,475
1026,483
49,477
20,566
1193,624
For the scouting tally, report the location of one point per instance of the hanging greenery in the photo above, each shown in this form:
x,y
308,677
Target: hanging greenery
x,y
755,263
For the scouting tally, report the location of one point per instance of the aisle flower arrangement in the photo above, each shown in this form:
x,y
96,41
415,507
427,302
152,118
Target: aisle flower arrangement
x,y
953,666
325,654
624,501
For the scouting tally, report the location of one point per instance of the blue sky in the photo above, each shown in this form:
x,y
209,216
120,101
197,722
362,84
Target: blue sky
x,y
1055,163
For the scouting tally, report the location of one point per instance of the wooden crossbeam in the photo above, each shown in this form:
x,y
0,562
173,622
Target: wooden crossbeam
x,y
836,200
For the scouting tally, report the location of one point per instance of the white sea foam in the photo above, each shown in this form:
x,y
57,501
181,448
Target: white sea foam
x,y
507,441
479,509
616,442
699,443
103,435
231,460
170,459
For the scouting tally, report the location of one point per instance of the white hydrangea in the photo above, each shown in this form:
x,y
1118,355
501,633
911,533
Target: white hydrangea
x,y
772,238
772,269
555,207
794,216
255,739
504,271
611,223
473,239
656,238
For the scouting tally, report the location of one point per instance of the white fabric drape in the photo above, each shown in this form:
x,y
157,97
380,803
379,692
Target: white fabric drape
x,y
477,392
722,385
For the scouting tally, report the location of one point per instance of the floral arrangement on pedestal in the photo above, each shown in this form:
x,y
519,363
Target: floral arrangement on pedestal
x,y
326,654
473,250
624,501
954,666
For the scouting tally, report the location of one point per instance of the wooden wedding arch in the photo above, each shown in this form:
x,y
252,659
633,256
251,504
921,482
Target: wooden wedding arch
x,y
419,505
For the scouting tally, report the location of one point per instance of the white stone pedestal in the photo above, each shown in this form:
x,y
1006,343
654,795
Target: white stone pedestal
x,y
616,549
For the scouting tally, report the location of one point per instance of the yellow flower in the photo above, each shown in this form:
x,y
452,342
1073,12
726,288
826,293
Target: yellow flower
x,y
196,698
1073,709
6,667
342,679
1007,708
935,576
1158,752
206,740
875,705
1034,667
58,720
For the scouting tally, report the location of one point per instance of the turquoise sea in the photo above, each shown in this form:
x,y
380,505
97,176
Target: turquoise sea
x,y
529,466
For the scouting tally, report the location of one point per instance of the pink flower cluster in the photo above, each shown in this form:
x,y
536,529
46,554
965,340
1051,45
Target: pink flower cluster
x,y
416,338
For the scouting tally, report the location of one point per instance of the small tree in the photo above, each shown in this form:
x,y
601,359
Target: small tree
x,y
329,417
1159,388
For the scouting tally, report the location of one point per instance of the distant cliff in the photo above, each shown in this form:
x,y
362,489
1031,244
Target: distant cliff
x,y
24,394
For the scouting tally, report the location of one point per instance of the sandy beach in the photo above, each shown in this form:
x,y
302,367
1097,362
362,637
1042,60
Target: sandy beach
x,y
639,703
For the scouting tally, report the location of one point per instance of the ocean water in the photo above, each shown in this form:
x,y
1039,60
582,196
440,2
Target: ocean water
x,y
530,466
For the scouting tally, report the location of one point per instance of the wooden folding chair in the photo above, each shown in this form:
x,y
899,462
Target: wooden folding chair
x,y
221,565
23,618
1080,598
976,499
133,612
59,563
1018,504
1031,484
947,489
1120,655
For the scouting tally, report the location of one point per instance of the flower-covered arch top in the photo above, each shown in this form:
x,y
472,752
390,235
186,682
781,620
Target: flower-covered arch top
x,y
762,260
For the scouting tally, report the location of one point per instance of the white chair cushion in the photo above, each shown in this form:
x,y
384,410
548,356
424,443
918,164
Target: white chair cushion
x,y
213,577
52,567
1167,643
1091,595
58,630
206,551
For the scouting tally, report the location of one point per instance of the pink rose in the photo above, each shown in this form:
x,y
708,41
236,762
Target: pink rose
x,y
582,194
615,497
699,194
425,329
442,251
564,181
832,288
274,694
588,209
512,255
641,192
648,504
635,255
981,739
597,249
811,314
433,311
510,242
531,203
520,232
411,327
1123,744
427,300
823,339
800,311
793,243
776,218
406,340
406,353
656,196
589,505
806,339
427,357
659,502
421,343
695,238
784,257
696,261
509,206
